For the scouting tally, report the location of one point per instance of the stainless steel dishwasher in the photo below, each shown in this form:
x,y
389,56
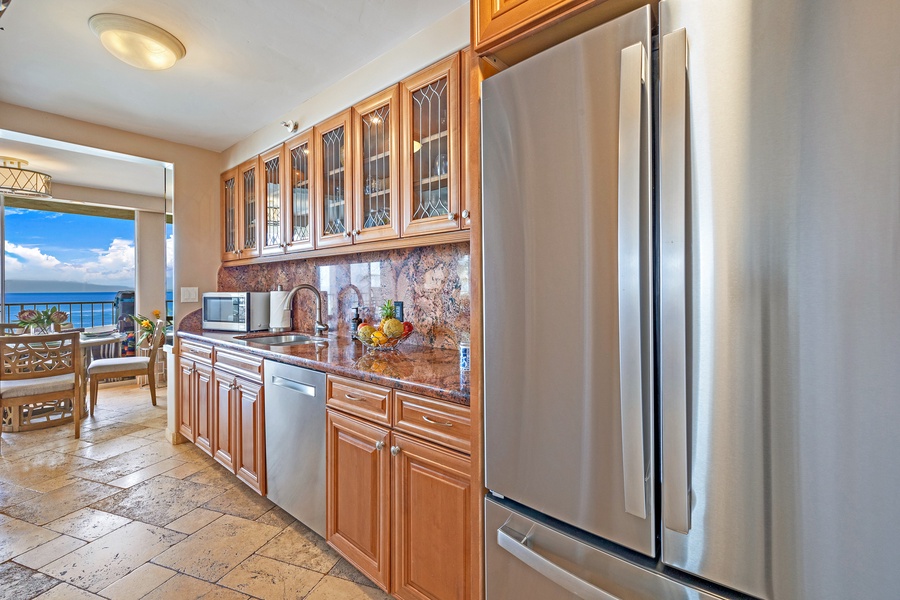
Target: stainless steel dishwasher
x,y
295,442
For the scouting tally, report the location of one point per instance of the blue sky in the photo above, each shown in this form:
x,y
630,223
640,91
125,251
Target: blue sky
x,y
52,246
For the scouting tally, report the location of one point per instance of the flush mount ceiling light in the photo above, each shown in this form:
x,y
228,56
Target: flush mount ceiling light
x,y
138,43
16,181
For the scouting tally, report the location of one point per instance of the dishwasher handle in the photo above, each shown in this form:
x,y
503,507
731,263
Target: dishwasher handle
x,y
300,388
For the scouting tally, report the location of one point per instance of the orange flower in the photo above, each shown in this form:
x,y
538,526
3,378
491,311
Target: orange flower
x,y
156,313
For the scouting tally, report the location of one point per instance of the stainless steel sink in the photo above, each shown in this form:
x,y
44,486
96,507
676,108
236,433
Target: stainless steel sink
x,y
283,340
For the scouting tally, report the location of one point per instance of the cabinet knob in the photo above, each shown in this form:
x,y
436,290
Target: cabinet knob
x,y
465,214
346,233
379,445
356,232
395,450
451,217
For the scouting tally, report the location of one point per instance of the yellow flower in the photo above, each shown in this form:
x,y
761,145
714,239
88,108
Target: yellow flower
x,y
156,313
145,324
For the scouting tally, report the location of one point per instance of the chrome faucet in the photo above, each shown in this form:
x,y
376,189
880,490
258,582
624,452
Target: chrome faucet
x,y
321,327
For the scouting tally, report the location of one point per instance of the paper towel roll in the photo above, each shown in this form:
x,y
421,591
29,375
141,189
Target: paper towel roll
x,y
279,311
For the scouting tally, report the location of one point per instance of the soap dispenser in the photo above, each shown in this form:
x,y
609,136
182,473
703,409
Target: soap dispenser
x,y
355,322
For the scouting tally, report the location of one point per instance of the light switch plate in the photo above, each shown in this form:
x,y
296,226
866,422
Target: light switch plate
x,y
189,294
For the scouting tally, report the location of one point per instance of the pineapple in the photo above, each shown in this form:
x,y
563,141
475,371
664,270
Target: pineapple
x,y
387,312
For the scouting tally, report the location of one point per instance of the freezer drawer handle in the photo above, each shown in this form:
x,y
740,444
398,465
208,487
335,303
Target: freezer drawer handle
x,y
548,568
631,363
302,388
673,299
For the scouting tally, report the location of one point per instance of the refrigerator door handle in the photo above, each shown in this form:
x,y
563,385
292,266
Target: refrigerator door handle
x,y
673,282
631,93
549,569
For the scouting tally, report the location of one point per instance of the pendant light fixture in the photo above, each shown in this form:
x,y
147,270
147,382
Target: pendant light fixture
x,y
16,181
136,42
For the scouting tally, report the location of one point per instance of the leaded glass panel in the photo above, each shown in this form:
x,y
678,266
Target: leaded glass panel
x,y
273,201
431,167
230,225
335,217
249,206
376,166
300,193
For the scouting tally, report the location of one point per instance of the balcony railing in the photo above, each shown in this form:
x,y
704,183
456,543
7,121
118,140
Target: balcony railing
x,y
81,314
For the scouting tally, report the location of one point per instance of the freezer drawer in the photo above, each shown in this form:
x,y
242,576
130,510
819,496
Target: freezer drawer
x,y
528,560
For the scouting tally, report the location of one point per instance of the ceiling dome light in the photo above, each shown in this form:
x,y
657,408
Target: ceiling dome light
x,y
16,181
138,43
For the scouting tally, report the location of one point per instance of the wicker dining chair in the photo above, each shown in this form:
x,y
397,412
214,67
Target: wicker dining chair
x,y
41,368
127,366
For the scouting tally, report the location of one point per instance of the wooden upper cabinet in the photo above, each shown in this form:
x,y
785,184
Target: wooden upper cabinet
x,y
376,134
430,141
271,197
497,23
248,209
299,210
228,191
334,173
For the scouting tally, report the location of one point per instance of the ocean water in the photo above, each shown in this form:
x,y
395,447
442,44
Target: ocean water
x,y
86,309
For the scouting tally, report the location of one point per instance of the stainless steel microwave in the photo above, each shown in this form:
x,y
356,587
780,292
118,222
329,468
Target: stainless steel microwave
x,y
236,311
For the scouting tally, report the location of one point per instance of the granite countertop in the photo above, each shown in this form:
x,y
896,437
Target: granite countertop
x,y
421,370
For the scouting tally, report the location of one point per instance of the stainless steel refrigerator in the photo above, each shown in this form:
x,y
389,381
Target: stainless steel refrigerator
x,y
692,307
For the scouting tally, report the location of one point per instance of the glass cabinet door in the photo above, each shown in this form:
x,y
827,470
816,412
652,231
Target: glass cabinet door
x,y
248,240
228,192
272,198
430,140
299,232
377,132
334,162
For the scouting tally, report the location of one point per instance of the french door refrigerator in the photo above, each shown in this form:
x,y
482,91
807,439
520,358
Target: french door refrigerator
x,y
692,307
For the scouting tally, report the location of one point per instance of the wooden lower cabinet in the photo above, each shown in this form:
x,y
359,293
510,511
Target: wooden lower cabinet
x,y
358,491
203,407
223,419
250,455
186,397
432,511
400,507
221,409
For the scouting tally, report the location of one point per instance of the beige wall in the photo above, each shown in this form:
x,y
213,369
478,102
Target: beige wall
x,y
149,263
195,187
426,47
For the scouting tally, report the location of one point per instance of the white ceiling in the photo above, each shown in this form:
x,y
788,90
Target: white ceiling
x,y
248,61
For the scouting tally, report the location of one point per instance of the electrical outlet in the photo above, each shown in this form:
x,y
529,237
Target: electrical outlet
x,y
189,294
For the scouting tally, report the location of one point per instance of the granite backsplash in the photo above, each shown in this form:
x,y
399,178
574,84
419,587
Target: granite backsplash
x,y
431,281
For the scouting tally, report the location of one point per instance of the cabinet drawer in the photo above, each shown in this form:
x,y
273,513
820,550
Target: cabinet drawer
x,y
365,400
197,351
440,422
240,363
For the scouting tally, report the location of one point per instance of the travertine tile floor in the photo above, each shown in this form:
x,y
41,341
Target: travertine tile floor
x,y
122,514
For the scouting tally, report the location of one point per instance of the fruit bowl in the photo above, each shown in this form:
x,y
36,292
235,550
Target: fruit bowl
x,y
387,344
387,335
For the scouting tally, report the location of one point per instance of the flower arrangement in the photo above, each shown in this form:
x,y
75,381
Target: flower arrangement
x,y
146,326
42,321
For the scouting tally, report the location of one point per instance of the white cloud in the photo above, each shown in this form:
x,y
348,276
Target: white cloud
x,y
111,266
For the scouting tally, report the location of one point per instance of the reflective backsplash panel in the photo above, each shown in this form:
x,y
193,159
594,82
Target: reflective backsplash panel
x,y
432,282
